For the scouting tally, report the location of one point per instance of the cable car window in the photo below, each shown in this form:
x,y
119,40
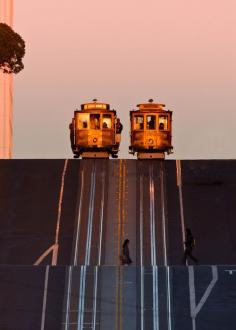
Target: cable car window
x,y
94,121
138,122
106,121
163,123
151,122
83,120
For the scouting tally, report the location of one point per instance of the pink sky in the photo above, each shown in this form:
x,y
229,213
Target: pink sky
x,y
181,53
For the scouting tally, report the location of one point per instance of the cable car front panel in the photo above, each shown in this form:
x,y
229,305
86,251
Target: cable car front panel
x,y
93,131
150,131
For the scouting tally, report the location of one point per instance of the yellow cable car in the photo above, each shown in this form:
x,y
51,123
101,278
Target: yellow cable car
x,y
151,131
95,131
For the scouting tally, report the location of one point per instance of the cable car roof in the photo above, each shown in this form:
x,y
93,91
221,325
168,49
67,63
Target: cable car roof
x,y
151,106
95,106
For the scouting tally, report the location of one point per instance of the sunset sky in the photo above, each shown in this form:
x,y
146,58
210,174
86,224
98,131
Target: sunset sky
x,y
178,52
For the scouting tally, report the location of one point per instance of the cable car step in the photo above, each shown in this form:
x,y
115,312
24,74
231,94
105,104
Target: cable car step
x,y
151,155
95,154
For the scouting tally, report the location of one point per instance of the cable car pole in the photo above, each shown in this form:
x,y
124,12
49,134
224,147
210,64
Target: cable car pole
x,y
6,91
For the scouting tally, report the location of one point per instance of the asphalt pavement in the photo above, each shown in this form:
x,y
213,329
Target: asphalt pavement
x,y
63,223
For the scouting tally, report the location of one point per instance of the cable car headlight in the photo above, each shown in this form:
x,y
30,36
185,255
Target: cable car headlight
x,y
95,140
150,141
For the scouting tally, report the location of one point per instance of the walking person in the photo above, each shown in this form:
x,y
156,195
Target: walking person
x,y
189,246
125,258
119,126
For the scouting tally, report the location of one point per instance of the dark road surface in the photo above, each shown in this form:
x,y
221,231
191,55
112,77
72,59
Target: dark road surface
x,y
201,297
55,208
75,215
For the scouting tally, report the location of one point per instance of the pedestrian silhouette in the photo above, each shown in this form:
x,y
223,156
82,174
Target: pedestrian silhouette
x,y
189,246
125,258
119,126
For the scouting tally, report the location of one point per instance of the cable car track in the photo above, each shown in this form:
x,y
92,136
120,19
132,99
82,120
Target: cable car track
x,y
152,186
88,250
153,236
164,234
74,253
82,287
99,253
164,200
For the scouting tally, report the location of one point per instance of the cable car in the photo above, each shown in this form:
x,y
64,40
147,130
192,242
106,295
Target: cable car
x,y
95,131
151,131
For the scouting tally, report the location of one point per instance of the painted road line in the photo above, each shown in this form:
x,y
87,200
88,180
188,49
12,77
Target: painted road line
x,y
55,251
101,219
179,184
152,224
152,243
141,219
44,255
54,248
118,244
117,322
195,309
153,250
79,219
121,234
90,218
121,298
45,298
81,297
141,252
122,239
68,297
123,200
163,215
117,250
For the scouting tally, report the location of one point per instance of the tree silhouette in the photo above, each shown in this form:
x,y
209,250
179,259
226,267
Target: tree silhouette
x,y
12,50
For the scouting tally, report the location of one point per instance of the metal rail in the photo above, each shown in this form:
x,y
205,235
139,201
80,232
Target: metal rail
x,y
99,254
141,251
164,234
88,250
75,257
153,251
